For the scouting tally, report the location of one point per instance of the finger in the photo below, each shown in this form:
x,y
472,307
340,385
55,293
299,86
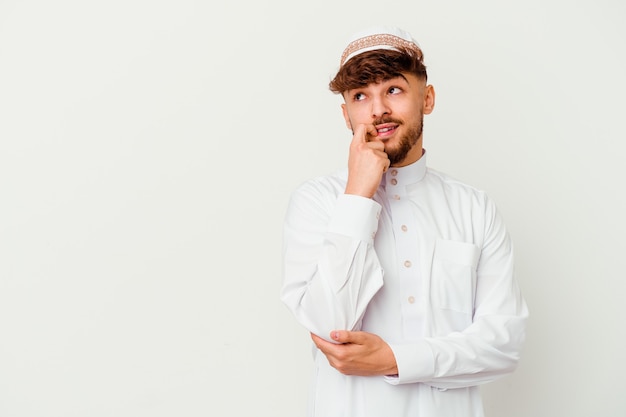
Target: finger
x,y
377,146
317,340
363,133
386,167
322,344
371,132
344,336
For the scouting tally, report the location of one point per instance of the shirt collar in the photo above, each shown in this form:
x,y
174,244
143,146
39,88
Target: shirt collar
x,y
409,174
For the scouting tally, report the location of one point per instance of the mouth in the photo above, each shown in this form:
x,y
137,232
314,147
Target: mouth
x,y
386,130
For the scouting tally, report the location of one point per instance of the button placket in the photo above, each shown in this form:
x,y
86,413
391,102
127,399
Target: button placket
x,y
409,283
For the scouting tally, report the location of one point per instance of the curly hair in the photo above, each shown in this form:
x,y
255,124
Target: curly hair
x,y
377,66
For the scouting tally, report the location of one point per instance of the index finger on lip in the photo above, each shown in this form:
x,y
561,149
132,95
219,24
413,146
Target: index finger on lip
x,y
371,132
364,132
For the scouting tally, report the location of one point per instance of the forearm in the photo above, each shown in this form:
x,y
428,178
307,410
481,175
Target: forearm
x,y
487,350
334,294
453,354
331,270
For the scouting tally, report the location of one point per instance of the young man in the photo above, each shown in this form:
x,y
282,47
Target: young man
x,y
403,275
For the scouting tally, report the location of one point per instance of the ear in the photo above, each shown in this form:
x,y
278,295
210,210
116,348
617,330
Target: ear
x,y
429,99
346,116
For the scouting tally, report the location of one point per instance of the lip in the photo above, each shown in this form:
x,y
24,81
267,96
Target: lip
x,y
385,130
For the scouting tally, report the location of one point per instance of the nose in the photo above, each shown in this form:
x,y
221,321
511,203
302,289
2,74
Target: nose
x,y
380,107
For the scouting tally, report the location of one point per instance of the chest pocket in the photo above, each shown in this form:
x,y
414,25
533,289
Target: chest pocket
x,y
453,276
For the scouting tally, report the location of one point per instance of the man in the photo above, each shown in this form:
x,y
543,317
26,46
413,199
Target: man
x,y
403,275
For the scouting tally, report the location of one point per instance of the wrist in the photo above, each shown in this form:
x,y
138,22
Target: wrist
x,y
362,192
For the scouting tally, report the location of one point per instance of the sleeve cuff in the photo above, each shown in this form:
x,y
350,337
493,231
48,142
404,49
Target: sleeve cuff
x,y
355,216
415,363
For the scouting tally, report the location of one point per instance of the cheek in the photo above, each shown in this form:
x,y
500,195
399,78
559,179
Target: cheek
x,y
357,116
348,116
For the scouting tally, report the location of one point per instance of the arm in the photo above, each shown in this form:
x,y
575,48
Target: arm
x,y
331,271
486,350
489,347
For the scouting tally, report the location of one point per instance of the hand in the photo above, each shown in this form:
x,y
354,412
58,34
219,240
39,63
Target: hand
x,y
366,163
358,353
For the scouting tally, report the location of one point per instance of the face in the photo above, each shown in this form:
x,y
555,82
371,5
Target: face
x,y
396,108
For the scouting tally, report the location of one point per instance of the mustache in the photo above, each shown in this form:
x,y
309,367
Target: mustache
x,y
386,119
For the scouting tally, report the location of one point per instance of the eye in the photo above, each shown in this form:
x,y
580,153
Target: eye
x,y
358,96
395,90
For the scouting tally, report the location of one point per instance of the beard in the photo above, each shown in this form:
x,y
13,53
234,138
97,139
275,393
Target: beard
x,y
406,142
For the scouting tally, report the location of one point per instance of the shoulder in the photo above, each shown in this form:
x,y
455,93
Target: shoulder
x,y
324,185
319,193
450,184
461,197
465,201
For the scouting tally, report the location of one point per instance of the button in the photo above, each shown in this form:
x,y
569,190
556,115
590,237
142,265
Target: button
x,y
373,235
377,215
396,197
394,172
404,228
411,300
394,181
407,264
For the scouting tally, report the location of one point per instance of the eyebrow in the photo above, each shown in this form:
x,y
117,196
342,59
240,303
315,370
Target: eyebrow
x,y
399,76
357,90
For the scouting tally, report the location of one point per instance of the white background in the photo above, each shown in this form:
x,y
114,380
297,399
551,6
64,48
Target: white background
x,y
148,150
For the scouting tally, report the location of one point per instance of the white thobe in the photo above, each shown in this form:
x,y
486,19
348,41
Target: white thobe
x,y
427,265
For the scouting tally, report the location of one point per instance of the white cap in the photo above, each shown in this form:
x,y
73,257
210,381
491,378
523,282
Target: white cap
x,y
380,37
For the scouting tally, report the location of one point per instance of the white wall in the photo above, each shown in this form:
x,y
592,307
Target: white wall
x,y
148,149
